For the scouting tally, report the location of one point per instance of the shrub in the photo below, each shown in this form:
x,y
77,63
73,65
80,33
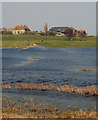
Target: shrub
x,y
51,33
6,32
42,33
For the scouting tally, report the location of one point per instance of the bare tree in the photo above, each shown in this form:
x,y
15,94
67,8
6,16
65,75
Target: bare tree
x,y
46,29
69,32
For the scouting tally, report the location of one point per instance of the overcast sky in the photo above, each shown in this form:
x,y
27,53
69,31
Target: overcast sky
x,y
80,15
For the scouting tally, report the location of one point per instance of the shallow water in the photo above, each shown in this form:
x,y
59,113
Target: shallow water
x,y
59,100
58,66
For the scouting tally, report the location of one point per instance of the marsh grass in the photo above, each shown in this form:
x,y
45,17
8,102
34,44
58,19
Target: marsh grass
x,y
14,113
23,41
86,70
35,57
66,89
12,110
80,114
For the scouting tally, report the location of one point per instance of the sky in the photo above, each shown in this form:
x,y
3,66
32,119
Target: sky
x,y
80,15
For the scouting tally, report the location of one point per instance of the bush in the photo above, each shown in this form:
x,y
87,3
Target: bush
x,y
27,33
42,33
31,33
69,32
6,32
51,33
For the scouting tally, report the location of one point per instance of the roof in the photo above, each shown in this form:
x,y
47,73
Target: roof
x,y
58,29
5,29
21,27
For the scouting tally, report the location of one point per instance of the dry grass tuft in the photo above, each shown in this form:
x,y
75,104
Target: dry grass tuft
x,y
67,89
13,108
14,113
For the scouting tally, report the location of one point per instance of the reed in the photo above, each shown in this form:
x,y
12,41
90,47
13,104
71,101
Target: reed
x,y
67,89
27,110
14,113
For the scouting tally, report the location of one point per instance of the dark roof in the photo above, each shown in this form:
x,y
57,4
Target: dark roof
x,y
58,29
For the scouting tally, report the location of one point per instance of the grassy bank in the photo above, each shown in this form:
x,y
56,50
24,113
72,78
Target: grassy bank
x,y
22,41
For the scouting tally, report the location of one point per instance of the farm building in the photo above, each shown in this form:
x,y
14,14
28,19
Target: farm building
x,y
6,31
20,29
58,30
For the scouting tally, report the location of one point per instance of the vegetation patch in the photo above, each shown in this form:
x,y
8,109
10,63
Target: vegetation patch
x,y
35,58
23,41
86,70
67,89
13,109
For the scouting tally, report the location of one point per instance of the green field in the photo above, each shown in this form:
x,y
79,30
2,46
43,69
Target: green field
x,y
22,41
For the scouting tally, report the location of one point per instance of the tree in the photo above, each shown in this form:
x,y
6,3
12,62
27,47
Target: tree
x,y
46,29
69,32
51,33
83,34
